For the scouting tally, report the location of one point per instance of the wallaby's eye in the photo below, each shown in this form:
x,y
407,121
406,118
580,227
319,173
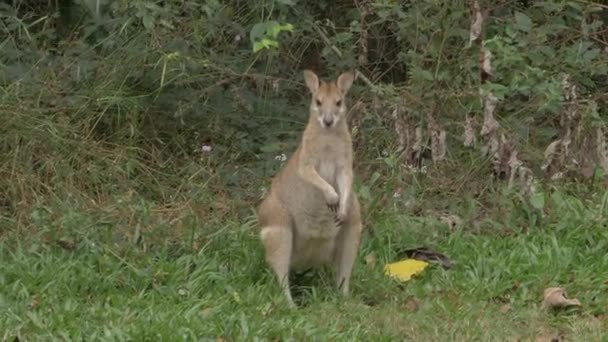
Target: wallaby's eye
x,y
339,103
318,102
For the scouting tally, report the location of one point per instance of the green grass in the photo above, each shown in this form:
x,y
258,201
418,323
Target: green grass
x,y
107,291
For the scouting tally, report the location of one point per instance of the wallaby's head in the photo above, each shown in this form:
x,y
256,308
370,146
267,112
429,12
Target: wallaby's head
x,y
327,103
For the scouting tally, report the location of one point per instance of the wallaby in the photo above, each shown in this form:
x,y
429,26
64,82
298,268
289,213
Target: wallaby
x,y
310,216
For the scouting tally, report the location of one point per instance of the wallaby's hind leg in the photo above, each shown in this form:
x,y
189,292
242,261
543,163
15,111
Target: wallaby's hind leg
x,y
347,247
277,238
277,243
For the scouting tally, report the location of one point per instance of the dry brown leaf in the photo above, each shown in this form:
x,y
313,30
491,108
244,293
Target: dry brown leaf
x,y
550,154
438,146
196,246
34,303
549,338
569,88
557,176
67,244
489,106
276,86
418,140
438,135
486,64
476,24
452,221
505,308
206,312
587,168
469,131
602,150
526,180
489,129
555,297
411,305
400,129
415,152
370,260
514,167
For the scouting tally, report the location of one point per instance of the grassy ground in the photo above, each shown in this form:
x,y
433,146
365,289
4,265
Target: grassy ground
x,y
96,289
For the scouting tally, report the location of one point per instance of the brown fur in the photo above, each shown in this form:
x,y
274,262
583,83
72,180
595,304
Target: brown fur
x,y
311,217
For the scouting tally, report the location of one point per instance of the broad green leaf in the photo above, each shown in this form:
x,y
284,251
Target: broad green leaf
x,y
422,74
374,178
590,55
286,2
273,29
264,44
272,147
148,22
365,193
523,22
537,200
257,31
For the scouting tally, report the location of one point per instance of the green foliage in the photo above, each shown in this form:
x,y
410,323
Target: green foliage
x,y
113,89
264,35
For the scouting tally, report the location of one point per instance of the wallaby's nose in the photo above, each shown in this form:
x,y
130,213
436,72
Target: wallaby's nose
x,y
328,121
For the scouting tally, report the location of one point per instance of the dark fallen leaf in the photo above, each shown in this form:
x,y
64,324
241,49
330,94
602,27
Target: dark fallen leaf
x,y
34,303
428,255
555,297
206,312
550,338
411,305
370,260
67,244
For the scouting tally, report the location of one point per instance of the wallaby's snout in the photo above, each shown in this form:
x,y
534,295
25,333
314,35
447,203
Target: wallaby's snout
x,y
328,121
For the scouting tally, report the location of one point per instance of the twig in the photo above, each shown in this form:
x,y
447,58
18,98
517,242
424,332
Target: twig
x,y
593,4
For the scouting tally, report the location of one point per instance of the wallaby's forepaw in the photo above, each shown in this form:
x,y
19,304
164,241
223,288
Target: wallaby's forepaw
x,y
341,215
333,200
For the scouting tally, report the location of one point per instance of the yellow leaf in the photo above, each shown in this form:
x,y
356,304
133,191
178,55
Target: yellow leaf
x,y
405,269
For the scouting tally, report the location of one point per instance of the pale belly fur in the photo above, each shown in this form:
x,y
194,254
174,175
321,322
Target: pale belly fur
x,y
314,227
315,239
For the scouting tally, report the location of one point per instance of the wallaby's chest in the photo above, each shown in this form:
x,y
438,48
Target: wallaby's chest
x,y
332,155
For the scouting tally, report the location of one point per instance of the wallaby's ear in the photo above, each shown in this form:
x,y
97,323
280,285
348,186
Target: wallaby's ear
x,y
345,81
312,81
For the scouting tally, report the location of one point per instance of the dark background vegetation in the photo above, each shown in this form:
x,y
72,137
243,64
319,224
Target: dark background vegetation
x,y
107,102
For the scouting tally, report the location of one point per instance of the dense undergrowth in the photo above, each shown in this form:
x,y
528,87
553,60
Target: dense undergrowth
x,y
155,126
110,108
